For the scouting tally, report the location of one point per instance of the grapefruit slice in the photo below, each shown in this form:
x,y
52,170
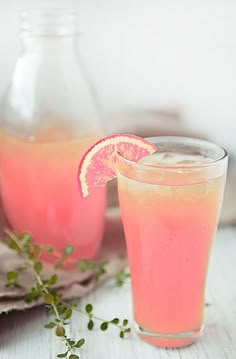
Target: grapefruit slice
x,y
98,165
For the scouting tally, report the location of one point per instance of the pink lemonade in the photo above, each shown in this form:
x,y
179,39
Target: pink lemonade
x,y
39,193
169,219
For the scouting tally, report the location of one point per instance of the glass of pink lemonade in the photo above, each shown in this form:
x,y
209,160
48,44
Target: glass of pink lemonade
x,y
170,204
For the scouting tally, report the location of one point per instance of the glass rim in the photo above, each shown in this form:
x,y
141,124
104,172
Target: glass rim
x,y
178,167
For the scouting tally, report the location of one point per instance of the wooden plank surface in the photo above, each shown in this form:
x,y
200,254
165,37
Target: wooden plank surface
x,y
22,335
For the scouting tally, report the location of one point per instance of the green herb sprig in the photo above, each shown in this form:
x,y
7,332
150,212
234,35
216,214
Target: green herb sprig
x,y
99,268
122,276
121,326
43,289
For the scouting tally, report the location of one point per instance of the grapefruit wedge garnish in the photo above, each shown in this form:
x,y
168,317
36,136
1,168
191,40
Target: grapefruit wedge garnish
x,y
98,165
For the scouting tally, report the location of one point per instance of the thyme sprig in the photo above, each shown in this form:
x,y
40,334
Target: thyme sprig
x,y
43,289
122,326
122,276
100,268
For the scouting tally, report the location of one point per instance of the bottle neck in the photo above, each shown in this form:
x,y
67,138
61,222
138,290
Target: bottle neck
x,y
64,46
50,91
49,30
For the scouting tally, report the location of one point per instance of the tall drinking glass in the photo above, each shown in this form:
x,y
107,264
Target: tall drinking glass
x,y
170,204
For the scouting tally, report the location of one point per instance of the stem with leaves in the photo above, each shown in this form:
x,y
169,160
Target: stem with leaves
x,y
43,289
123,328
100,269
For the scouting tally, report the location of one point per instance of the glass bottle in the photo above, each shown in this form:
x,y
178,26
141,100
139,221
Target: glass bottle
x,y
48,120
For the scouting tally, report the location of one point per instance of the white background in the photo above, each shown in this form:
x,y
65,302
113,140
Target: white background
x,y
151,54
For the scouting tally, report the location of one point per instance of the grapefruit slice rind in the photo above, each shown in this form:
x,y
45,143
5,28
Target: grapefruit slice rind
x,y
98,165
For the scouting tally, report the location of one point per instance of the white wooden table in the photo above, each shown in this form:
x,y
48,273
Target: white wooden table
x,y
22,335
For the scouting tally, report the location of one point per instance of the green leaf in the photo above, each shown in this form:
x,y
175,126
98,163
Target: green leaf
x,y
79,343
60,331
125,322
61,307
92,265
101,269
38,267
39,288
64,355
115,321
25,238
83,265
30,255
104,326
28,298
67,313
52,280
122,276
48,249
49,325
73,356
122,334
13,245
68,250
71,342
34,294
90,324
88,308
48,299
25,249
12,276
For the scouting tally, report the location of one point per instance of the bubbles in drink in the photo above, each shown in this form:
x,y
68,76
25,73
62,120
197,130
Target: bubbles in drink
x,y
175,159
